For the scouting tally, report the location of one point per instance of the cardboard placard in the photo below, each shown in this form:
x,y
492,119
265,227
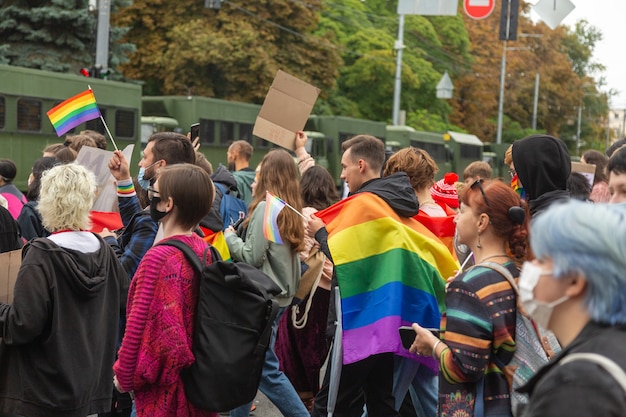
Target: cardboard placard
x,y
588,170
9,266
285,110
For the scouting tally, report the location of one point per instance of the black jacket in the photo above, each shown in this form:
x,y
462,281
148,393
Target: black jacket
x,y
10,238
397,191
581,388
30,222
59,335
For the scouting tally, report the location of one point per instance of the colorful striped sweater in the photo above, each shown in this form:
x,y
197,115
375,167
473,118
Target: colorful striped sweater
x,y
479,323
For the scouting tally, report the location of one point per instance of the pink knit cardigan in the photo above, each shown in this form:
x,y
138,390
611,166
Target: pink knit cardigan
x,y
159,326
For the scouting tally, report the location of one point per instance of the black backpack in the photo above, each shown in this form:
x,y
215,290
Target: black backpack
x,y
233,326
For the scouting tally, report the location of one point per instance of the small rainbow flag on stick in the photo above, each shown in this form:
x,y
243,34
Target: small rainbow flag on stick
x,y
273,206
74,111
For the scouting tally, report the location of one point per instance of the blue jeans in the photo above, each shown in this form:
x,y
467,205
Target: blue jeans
x,y
423,383
420,381
275,385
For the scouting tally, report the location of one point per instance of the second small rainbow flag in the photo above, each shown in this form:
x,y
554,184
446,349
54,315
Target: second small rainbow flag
x,y
74,111
273,206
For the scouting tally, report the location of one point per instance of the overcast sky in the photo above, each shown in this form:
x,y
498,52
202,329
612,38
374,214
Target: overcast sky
x,y
610,17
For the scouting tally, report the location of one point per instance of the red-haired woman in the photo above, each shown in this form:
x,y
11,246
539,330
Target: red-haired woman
x,y
479,322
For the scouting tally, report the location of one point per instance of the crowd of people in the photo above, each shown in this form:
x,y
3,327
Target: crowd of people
x,y
96,317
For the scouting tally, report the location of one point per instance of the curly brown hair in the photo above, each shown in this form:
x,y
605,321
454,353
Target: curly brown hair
x,y
416,163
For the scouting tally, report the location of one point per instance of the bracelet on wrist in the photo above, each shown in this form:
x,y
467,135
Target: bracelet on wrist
x,y
434,353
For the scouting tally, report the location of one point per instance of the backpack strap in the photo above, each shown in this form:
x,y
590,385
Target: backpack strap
x,y
191,256
502,270
609,365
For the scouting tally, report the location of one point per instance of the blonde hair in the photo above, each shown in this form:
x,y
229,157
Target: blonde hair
x,y
67,195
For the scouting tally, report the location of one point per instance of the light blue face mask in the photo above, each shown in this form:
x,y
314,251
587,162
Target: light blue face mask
x,y
145,182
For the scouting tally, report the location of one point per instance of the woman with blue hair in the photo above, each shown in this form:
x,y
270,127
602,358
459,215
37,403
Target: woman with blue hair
x,y
576,287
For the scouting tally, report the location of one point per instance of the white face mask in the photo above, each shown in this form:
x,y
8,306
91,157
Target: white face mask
x,y
539,311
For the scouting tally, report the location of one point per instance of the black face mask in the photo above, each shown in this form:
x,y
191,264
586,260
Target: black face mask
x,y
155,213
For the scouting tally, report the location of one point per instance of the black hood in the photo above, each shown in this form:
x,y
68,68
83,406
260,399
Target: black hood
x,y
225,177
542,164
86,272
396,190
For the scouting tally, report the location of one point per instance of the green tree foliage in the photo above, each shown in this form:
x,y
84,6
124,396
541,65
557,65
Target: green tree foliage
x,y
561,57
54,35
232,53
367,32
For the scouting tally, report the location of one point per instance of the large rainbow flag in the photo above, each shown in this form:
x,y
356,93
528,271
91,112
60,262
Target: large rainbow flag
x,y
389,270
74,111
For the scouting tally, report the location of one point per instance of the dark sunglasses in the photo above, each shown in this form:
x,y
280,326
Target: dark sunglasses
x,y
479,184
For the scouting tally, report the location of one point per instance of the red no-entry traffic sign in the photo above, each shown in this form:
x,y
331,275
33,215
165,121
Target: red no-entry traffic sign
x,y
478,9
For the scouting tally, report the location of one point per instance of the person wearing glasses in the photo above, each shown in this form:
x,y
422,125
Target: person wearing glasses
x,y
478,327
162,298
140,231
542,164
576,287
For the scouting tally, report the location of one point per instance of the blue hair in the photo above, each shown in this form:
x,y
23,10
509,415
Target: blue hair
x,y
588,239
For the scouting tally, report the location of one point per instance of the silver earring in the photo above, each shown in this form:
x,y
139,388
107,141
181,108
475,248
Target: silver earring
x,y
478,244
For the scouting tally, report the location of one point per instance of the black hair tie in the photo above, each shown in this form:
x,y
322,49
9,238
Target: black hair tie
x,y
517,215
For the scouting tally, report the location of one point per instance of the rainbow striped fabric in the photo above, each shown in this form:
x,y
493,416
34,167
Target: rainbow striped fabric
x,y
273,206
218,241
74,111
389,270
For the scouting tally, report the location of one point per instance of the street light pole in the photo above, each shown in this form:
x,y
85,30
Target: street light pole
x,y
535,102
501,99
102,38
399,46
580,113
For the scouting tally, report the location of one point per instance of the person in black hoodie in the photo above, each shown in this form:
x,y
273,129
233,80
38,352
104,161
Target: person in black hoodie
x,y
543,165
59,334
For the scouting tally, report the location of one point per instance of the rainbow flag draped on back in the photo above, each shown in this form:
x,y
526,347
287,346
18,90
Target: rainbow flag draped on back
x,y
74,111
389,270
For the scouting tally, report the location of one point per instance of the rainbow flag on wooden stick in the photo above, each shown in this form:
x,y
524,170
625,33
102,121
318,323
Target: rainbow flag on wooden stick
x,y
391,272
74,111
273,206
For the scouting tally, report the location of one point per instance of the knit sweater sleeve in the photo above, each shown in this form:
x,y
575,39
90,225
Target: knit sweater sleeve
x,y
139,299
159,326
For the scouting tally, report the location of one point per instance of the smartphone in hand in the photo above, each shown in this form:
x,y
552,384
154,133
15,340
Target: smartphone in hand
x,y
195,131
407,335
